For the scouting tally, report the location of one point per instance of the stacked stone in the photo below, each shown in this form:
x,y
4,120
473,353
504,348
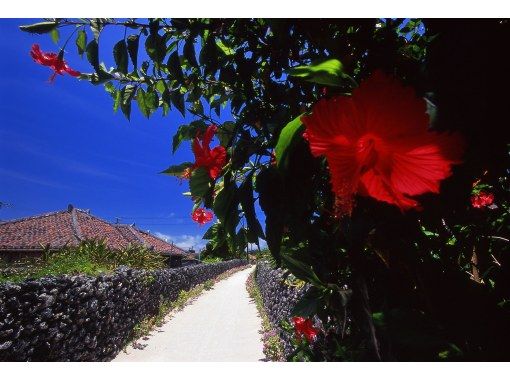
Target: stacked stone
x,y
279,298
84,318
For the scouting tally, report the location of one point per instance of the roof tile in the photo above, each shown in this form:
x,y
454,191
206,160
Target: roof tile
x,y
68,227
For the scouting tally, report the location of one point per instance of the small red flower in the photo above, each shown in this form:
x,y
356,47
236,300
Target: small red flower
x,y
202,216
378,144
212,160
482,199
52,60
272,161
304,327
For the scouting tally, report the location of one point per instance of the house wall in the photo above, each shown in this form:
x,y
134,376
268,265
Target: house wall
x,y
84,318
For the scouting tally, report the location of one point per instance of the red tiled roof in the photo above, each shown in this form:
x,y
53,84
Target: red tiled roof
x,y
54,229
71,226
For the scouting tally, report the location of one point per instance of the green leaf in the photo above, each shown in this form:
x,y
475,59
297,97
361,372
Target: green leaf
x,y
93,55
328,72
156,47
144,67
110,88
118,99
226,133
174,66
55,36
248,206
269,185
179,137
178,101
96,25
212,231
308,305
301,270
187,132
216,105
224,48
81,42
209,56
189,52
40,27
177,170
142,104
132,46
99,77
147,101
216,235
120,55
288,136
199,183
127,96
226,207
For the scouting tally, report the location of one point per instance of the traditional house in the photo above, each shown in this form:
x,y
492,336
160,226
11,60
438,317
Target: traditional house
x,y
29,237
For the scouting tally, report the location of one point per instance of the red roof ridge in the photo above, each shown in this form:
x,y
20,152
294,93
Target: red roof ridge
x,y
133,231
75,224
33,217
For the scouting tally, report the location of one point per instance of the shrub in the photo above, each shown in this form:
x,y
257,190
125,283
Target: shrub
x,y
90,257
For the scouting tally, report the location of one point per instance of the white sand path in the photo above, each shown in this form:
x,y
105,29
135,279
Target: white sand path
x,y
221,325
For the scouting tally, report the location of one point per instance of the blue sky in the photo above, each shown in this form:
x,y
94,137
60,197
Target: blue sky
x,y
61,143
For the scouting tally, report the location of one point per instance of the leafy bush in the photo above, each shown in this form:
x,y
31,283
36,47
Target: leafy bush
x,y
90,257
212,259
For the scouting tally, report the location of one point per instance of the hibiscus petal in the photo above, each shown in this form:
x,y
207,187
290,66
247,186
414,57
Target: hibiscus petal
x,y
332,119
71,72
218,159
421,169
198,151
375,185
391,109
209,134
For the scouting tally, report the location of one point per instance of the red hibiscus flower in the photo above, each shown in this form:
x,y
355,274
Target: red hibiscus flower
x,y
304,327
202,216
482,199
378,144
52,60
212,160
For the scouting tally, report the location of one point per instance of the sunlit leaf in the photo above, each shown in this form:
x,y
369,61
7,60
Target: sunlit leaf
x,y
289,134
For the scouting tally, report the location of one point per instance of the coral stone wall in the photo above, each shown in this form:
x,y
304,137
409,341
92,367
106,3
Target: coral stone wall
x,y
83,318
279,298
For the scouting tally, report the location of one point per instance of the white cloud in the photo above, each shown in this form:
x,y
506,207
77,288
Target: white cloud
x,y
184,241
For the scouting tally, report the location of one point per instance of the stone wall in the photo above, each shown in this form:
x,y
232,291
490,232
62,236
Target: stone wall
x,y
279,298
83,318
